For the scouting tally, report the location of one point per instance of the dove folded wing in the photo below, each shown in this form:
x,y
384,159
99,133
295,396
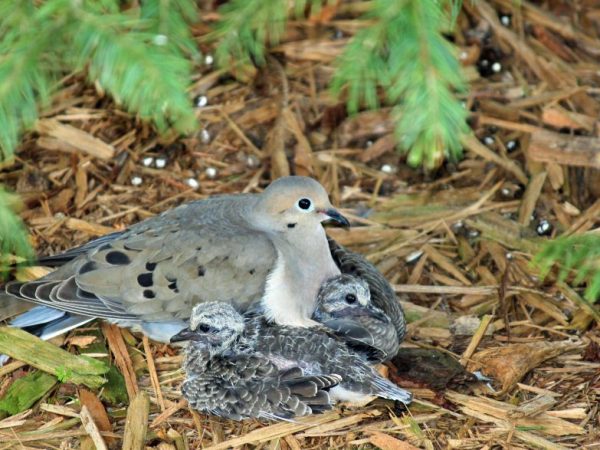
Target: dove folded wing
x,y
249,386
150,275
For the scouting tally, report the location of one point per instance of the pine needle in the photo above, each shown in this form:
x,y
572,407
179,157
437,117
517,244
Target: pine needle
x,y
579,253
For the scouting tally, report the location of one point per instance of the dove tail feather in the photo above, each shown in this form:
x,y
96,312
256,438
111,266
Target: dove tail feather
x,y
387,389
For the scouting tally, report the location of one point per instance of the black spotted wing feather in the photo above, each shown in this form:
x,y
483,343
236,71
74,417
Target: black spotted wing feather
x,y
158,269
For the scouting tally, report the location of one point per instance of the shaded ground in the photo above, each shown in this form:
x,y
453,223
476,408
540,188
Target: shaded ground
x,y
455,244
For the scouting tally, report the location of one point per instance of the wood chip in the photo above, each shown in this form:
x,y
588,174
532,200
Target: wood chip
x,y
69,137
387,442
547,146
122,358
92,430
136,424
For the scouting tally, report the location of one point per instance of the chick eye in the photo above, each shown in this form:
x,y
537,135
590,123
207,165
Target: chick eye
x,y
350,298
204,328
304,204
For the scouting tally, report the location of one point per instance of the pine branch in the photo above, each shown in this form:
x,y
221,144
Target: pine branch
x,y
245,27
135,68
24,82
171,19
140,56
14,244
408,56
580,253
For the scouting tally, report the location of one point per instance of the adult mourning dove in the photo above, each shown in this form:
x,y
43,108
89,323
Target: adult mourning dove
x,y
234,248
345,306
316,351
224,376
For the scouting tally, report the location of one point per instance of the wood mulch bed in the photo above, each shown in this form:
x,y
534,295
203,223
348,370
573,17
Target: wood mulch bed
x,y
456,244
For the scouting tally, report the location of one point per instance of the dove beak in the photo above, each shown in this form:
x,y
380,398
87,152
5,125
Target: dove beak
x,y
186,335
334,215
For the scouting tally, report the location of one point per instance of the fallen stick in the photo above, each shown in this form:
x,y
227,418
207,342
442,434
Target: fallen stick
x,y
22,346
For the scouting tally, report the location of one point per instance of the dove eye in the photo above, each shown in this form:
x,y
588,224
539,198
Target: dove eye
x,y
305,205
350,299
205,328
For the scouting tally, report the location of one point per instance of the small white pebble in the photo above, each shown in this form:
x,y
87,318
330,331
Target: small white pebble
x,y
414,256
506,192
496,67
457,226
160,39
473,234
252,161
209,59
161,163
511,145
147,161
505,20
509,256
136,180
211,172
193,183
369,143
388,168
204,136
488,140
201,101
463,55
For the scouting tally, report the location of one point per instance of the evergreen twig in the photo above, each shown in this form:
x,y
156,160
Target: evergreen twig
x,y
401,52
405,53
141,56
13,236
579,253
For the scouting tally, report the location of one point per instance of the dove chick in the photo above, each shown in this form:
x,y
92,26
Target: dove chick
x,y
316,351
381,292
226,377
345,306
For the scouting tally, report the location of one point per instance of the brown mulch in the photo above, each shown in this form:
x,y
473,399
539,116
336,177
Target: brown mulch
x,y
455,244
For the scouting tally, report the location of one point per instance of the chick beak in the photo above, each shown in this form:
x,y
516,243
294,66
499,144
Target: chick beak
x,y
334,215
185,335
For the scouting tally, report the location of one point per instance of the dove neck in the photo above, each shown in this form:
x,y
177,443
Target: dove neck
x,y
292,286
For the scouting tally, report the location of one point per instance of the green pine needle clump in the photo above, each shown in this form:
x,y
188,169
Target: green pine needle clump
x,y
402,53
14,246
141,55
405,54
580,253
246,25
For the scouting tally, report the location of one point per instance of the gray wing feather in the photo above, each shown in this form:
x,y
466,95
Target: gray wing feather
x,y
160,268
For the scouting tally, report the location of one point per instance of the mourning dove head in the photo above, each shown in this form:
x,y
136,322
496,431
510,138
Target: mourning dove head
x,y
346,297
214,328
293,205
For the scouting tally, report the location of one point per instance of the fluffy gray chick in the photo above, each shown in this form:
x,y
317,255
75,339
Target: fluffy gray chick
x,y
226,377
345,306
317,350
